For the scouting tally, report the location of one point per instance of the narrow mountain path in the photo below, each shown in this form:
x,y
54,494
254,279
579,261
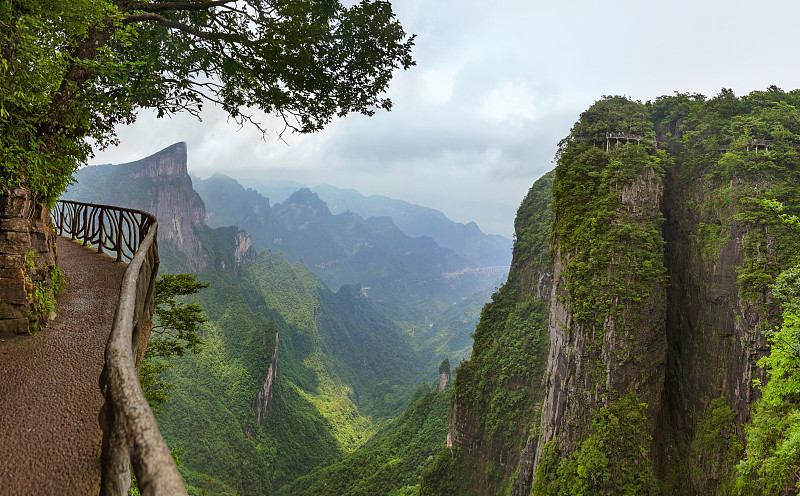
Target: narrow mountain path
x,y
50,400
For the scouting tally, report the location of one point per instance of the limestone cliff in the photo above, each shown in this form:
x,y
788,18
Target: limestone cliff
x,y
159,184
498,391
606,326
262,405
657,290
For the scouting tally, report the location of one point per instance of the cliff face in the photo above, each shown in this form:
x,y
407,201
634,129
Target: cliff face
x,y
658,293
28,276
172,200
262,406
159,184
711,328
617,344
499,390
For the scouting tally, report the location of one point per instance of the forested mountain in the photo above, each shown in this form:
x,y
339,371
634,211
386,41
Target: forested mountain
x,y
642,343
292,375
347,248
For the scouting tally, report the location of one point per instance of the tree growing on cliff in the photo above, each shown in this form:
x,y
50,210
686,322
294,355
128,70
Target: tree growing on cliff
x,y
176,330
71,71
772,458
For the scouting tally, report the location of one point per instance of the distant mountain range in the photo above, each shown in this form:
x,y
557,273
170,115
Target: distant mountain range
x,y
346,248
415,220
467,240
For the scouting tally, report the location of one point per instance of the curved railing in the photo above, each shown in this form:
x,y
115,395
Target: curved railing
x,y
130,432
111,229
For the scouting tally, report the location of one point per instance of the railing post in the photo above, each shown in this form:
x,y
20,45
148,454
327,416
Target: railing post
x,y
100,231
119,236
85,225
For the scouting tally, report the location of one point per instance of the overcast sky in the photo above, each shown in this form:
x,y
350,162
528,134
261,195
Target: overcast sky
x,y
496,86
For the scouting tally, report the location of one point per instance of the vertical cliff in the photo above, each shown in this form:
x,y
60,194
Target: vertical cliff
x,y
607,300
159,184
658,306
262,406
498,391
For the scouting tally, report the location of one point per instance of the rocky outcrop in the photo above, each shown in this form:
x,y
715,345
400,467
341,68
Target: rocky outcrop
x,y
444,380
262,406
27,263
179,208
590,364
243,245
159,184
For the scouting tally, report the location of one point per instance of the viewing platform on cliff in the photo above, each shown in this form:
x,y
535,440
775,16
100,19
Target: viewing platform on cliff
x,y
609,137
755,145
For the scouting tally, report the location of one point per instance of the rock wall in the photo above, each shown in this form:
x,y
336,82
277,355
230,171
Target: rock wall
x,y
244,243
589,365
27,262
713,348
444,379
262,406
159,184
178,208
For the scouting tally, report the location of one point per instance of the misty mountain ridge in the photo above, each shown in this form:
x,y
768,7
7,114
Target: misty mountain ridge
x,y
467,240
346,248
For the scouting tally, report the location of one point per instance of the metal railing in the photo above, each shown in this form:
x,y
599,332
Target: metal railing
x,y
111,229
624,135
755,143
130,433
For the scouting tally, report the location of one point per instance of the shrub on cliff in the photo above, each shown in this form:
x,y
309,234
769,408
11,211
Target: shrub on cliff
x,y
772,458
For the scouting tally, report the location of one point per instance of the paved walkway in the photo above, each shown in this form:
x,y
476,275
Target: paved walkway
x,y
50,438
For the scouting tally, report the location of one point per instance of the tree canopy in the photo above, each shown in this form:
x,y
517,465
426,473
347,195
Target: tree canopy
x,y
71,71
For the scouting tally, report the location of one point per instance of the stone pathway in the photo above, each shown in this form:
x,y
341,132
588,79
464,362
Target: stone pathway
x,y
50,436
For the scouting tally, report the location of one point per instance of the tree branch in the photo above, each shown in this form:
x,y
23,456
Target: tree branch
x,y
148,17
166,6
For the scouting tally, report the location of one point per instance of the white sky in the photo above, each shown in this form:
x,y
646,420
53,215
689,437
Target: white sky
x,y
496,86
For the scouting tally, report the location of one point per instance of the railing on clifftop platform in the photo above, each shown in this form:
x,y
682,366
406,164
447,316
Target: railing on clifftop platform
x,y
112,229
130,432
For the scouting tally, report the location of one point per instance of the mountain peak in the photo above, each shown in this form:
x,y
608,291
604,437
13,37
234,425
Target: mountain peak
x,y
306,201
169,162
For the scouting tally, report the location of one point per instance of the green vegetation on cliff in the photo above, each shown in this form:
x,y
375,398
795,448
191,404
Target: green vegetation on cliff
x,y
612,257
612,460
712,249
501,382
772,460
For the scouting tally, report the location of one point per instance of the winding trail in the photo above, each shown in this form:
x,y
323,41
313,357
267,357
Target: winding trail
x,y
50,400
